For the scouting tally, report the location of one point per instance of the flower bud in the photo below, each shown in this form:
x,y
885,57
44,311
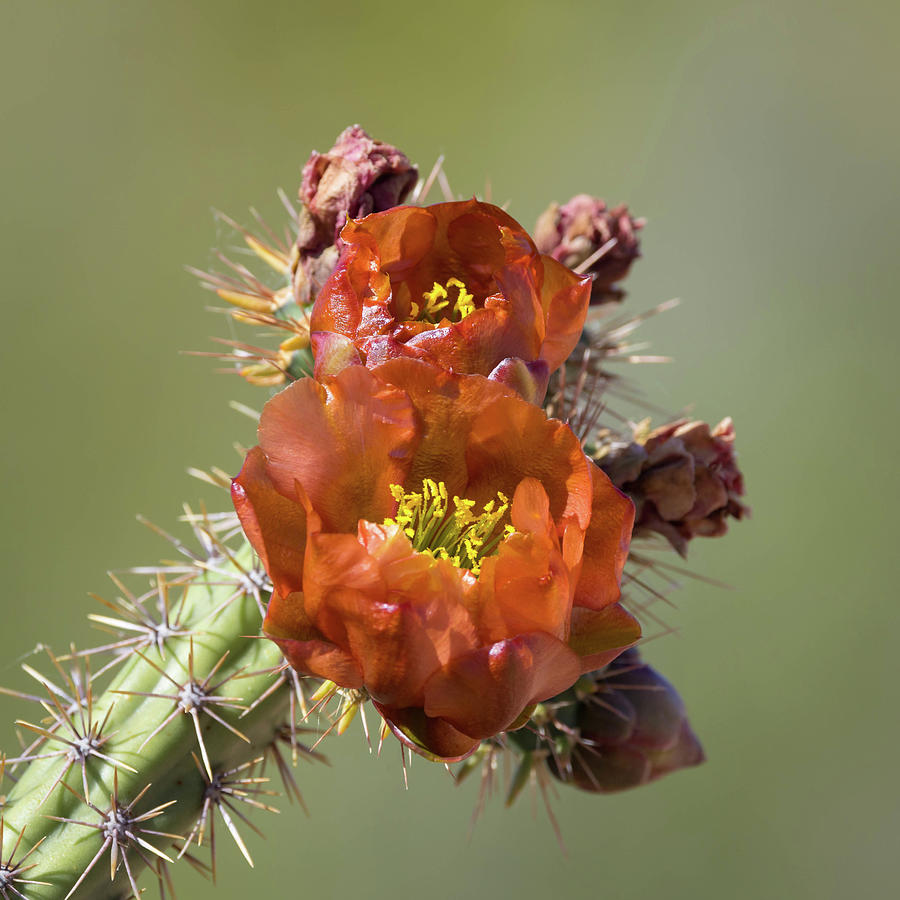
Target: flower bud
x,y
632,728
683,479
357,176
574,233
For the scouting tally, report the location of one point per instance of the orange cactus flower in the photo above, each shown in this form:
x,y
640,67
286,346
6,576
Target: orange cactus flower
x,y
438,542
459,284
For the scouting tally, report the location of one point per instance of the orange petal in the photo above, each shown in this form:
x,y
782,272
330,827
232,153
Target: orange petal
x,y
511,440
434,739
346,442
340,580
529,589
526,586
599,637
396,645
418,629
305,647
286,618
333,353
483,692
530,510
606,543
356,278
274,525
565,298
529,380
446,405
322,659
478,343
402,236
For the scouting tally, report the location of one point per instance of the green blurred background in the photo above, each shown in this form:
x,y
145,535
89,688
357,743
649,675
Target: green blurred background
x,y
761,141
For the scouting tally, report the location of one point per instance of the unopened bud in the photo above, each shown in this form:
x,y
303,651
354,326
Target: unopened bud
x,y
631,730
585,233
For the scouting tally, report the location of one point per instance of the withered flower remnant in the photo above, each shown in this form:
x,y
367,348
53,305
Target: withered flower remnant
x,y
631,728
357,176
437,541
458,284
585,230
683,478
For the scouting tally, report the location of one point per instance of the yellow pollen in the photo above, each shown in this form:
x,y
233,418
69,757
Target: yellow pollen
x,y
460,535
437,305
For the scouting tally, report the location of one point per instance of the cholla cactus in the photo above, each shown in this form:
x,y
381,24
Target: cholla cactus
x,y
422,525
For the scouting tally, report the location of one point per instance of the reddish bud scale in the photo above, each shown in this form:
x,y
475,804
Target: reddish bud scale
x,y
683,478
585,232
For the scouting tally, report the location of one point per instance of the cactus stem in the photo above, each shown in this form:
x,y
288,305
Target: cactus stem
x,y
178,650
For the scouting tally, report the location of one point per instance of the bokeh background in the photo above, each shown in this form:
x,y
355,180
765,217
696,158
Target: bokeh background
x,y
761,141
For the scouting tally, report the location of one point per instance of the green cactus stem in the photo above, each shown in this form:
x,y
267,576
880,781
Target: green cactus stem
x,y
131,765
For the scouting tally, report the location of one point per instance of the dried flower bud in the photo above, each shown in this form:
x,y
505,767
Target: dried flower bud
x,y
575,232
683,478
356,177
632,728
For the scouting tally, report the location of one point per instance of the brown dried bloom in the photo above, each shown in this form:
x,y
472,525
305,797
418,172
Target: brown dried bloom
x,y
585,230
683,479
357,176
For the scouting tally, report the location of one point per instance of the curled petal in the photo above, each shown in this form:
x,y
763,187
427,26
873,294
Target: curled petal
x,y
304,646
479,343
606,543
419,628
333,353
274,525
446,405
483,692
525,588
565,298
435,739
598,637
341,582
529,380
402,235
511,440
323,659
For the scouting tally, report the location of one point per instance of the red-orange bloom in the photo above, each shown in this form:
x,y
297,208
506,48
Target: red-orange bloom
x,y
460,285
435,540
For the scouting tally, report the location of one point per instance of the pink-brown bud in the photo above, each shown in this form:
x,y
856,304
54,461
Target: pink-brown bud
x,y
683,478
575,232
357,176
632,728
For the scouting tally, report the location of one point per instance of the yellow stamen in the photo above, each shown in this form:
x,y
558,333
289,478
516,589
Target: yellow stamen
x,y
437,304
465,302
462,536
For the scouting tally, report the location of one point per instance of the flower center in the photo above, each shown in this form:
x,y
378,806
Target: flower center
x,y
436,303
461,535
